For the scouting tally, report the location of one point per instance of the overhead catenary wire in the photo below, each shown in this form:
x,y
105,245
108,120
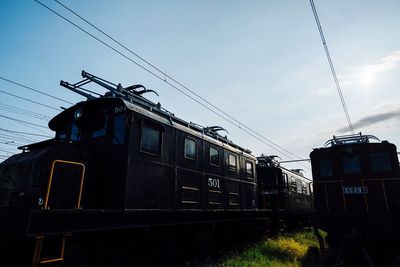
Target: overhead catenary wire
x,y
7,151
25,133
35,90
10,143
29,100
339,89
24,112
26,123
16,138
164,77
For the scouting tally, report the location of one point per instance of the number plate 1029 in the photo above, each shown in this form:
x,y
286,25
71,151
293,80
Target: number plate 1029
x,y
350,190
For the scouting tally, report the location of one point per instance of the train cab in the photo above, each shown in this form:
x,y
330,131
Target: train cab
x,y
356,185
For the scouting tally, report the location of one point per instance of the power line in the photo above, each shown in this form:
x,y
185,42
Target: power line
x,y
235,122
10,143
16,138
24,112
239,124
20,97
7,151
22,121
36,90
12,131
321,33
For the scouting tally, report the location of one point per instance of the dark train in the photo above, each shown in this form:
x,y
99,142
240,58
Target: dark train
x,y
357,189
120,161
285,191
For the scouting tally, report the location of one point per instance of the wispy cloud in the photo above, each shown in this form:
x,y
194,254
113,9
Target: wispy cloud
x,y
374,119
366,74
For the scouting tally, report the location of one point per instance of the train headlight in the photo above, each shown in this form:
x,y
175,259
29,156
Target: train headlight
x,y
78,114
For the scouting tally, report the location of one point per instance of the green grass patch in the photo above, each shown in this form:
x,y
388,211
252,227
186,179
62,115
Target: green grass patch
x,y
284,250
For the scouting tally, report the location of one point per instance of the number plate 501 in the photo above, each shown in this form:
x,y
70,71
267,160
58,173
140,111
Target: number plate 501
x,y
213,182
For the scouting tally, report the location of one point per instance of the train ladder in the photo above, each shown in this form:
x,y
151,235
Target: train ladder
x,y
37,253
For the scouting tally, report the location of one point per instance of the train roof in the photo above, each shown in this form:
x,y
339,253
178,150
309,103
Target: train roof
x,y
133,99
338,143
271,162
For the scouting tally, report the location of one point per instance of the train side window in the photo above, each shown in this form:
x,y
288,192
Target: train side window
x,y
325,167
214,156
232,162
298,186
303,188
150,140
285,180
293,185
380,162
190,149
249,170
119,129
351,164
62,135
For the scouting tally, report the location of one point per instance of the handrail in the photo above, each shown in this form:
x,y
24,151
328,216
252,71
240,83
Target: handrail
x,y
37,260
54,162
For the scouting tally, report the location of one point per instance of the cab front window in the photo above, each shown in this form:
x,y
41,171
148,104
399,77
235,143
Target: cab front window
x,y
119,129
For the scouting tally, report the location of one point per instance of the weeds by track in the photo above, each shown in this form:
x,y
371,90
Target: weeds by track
x,y
291,249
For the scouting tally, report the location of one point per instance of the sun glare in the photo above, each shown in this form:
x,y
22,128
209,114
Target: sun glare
x,y
366,78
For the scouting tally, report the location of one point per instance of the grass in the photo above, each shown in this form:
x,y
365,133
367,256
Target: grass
x,y
286,250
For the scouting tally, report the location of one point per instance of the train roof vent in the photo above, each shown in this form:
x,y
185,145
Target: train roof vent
x,y
268,161
212,131
350,139
298,171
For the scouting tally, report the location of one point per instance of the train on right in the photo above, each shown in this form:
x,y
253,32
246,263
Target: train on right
x,y
356,181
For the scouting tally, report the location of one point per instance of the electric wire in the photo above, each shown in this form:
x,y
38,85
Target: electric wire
x,y
7,151
25,133
239,124
10,143
35,90
321,33
16,138
32,101
26,124
24,112
234,122
22,121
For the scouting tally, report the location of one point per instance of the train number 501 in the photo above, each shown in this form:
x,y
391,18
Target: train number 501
x,y
213,182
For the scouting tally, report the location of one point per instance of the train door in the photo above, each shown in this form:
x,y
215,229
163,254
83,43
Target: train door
x,y
118,156
65,184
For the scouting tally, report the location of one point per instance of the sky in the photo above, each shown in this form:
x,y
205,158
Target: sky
x,y
261,62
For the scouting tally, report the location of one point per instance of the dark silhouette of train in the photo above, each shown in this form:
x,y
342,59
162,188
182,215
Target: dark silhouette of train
x,y
119,161
357,189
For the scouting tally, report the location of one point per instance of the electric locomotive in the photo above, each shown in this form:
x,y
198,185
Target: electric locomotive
x,y
286,192
356,189
120,161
